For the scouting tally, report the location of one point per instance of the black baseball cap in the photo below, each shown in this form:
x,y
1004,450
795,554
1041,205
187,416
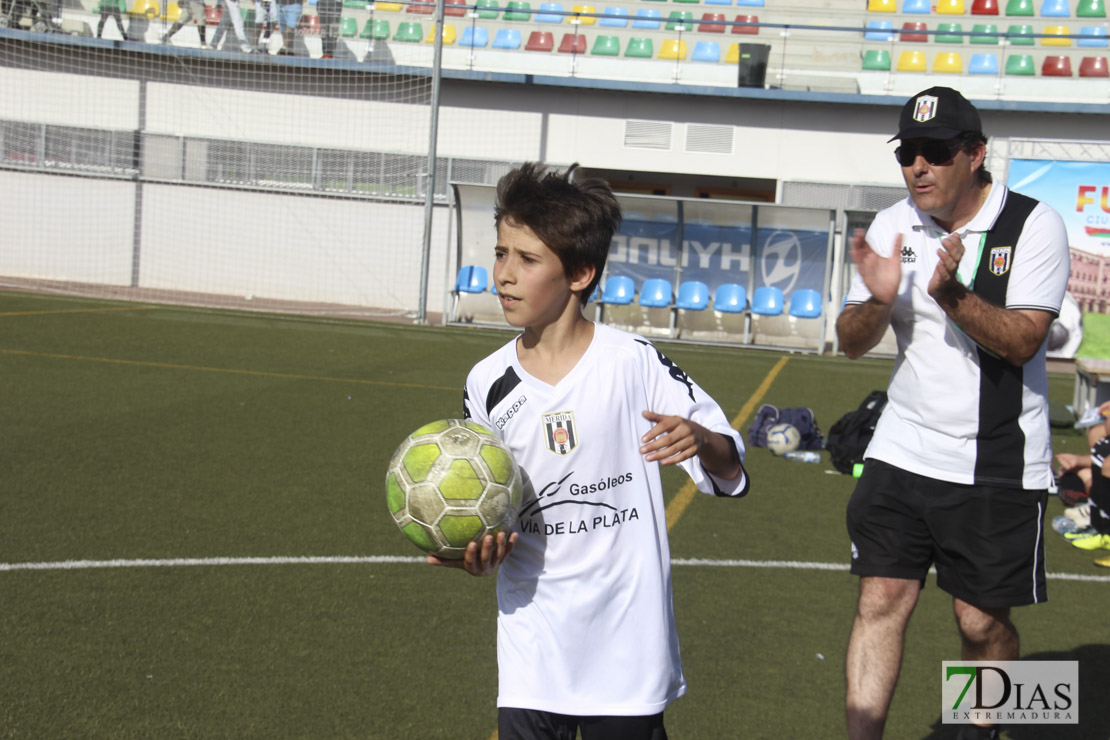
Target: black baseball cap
x,y
938,113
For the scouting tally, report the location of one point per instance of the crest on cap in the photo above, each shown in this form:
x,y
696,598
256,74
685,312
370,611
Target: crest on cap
x,y
925,108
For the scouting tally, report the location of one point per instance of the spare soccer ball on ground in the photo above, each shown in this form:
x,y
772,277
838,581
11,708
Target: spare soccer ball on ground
x,y
783,438
452,482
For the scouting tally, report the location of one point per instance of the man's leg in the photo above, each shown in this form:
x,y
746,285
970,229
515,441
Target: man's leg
x,y
986,634
875,651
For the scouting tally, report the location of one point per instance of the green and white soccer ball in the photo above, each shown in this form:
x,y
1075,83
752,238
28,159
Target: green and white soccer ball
x,y
783,438
452,482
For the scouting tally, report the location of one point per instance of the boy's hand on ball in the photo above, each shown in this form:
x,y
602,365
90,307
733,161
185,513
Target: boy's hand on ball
x,y
481,559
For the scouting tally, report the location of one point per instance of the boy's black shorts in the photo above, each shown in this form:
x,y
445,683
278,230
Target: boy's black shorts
x,y
987,542
533,724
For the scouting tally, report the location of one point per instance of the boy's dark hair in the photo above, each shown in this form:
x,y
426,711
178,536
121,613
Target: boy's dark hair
x,y
575,219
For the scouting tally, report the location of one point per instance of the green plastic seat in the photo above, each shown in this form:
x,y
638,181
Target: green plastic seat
x,y
484,8
1020,7
348,27
949,33
984,28
1090,9
517,11
681,20
1019,35
375,28
606,46
1021,64
409,31
360,4
639,48
876,59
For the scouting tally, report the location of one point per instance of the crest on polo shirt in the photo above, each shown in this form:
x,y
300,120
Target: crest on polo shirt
x,y
559,432
1000,260
925,109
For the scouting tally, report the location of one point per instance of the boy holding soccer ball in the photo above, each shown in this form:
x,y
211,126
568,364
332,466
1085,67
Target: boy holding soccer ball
x,y
586,637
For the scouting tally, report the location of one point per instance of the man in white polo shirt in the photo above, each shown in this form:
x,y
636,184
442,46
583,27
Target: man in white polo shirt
x,y
970,275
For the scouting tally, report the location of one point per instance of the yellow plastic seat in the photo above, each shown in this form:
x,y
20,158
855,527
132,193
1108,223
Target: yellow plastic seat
x,y
882,6
672,49
448,35
145,8
173,11
951,7
911,61
948,62
389,7
732,56
585,20
1046,41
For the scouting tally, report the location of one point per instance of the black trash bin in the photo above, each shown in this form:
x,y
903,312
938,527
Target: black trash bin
x,y
753,65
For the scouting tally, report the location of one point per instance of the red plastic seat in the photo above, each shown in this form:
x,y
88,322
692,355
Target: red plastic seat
x,y
422,9
1056,66
1093,67
310,24
212,14
540,41
984,7
911,33
711,27
572,43
749,30
457,12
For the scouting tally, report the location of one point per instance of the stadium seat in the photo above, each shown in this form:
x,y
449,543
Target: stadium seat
x,y
639,48
487,9
655,293
422,7
145,9
212,14
506,38
171,12
614,18
517,10
983,64
540,41
1020,65
693,295
951,7
454,9
1017,35
984,29
1020,7
647,18
805,303
949,33
767,300
712,23
876,59
718,2
1092,36
448,35
706,51
984,7
606,46
572,43
475,36
672,49
583,20
619,290
732,56
914,32
922,7
1055,9
1049,31
680,20
549,13
882,6
948,62
1093,67
911,61
730,298
686,1
879,31
1056,66
388,7
1090,9
348,27
751,3
746,30
309,24
409,31
471,279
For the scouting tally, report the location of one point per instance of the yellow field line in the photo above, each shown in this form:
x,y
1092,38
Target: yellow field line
x,y
76,310
685,496
230,371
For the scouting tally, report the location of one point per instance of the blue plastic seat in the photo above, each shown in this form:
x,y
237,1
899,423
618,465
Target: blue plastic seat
x,y
730,298
474,36
507,38
471,279
922,7
706,51
549,16
879,31
647,18
805,303
767,300
619,290
614,17
693,295
983,64
655,293
718,2
1055,9
750,3
1092,36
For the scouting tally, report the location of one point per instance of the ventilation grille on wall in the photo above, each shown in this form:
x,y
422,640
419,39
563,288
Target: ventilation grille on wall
x,y
647,134
709,139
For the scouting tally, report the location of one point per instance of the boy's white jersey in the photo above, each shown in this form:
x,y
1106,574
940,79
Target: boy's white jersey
x,y
586,624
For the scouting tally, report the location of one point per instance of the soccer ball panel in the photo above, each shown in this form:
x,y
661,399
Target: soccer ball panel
x,y
418,461
460,530
500,462
462,481
783,438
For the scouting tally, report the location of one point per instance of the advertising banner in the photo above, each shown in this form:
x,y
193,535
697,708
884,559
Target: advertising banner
x,y
1079,191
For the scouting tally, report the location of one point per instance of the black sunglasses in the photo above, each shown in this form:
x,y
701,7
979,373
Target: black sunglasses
x,y
935,152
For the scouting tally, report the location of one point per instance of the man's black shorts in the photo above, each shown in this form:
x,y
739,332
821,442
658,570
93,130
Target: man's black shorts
x,y
986,542
534,724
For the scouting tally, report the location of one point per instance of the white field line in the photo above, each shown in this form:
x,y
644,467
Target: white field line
x,y
392,559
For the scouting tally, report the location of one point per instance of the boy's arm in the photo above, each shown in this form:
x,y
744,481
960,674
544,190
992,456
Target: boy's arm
x,y
674,439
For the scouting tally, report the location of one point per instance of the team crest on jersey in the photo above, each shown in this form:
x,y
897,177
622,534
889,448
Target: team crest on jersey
x,y
1000,260
925,108
559,432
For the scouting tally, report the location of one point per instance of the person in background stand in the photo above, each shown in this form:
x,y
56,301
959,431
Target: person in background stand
x,y
231,13
329,12
191,10
114,8
265,24
289,14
